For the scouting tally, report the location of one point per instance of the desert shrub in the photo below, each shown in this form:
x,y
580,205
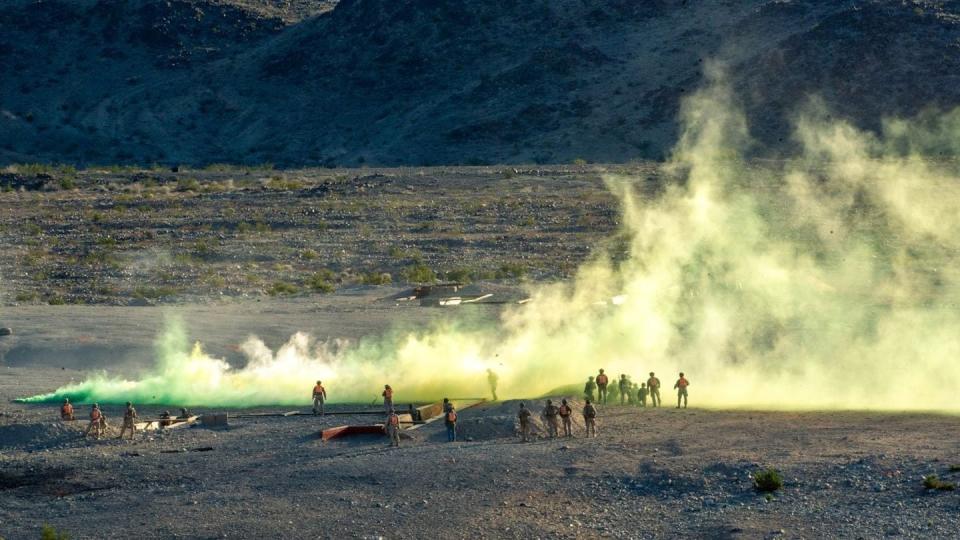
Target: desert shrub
x,y
36,169
418,273
954,468
188,184
56,300
279,183
47,532
67,183
933,482
460,275
309,254
259,226
412,254
202,249
511,270
282,288
375,278
215,280
322,281
580,162
767,480
27,296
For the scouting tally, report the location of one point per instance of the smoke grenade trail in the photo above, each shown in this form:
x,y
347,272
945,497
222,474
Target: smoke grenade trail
x,y
827,281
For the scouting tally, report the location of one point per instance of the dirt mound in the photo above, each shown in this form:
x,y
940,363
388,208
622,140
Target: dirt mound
x,y
499,420
34,435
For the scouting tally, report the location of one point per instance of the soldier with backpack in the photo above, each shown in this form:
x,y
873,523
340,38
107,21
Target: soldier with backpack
x,y
524,416
624,388
681,387
590,418
653,387
387,398
66,410
319,397
129,419
96,422
565,413
602,381
550,413
450,419
393,428
589,388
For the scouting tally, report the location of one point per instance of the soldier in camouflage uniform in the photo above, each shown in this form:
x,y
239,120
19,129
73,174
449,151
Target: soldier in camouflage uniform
x,y
129,419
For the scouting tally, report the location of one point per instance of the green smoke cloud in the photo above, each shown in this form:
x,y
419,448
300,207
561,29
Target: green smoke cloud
x,y
825,281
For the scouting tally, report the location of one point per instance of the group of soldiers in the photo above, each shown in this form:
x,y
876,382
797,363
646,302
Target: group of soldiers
x,y
554,416
630,393
98,420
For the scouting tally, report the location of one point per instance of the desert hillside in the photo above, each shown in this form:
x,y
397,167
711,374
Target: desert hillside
x,y
393,82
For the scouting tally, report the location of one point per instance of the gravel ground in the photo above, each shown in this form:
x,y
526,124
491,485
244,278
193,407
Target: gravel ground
x,y
650,473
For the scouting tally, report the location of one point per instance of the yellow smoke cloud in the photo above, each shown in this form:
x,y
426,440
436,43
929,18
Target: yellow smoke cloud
x,y
825,281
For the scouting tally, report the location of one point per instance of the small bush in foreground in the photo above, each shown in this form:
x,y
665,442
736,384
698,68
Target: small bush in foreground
x,y
768,480
933,482
282,288
49,533
954,468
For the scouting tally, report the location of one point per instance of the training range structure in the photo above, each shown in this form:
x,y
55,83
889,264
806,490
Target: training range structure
x,y
416,417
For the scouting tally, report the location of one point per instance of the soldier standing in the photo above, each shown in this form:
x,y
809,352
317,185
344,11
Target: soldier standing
x,y
602,381
450,420
129,417
550,415
565,413
653,388
66,410
319,397
681,386
96,418
387,398
589,388
393,428
642,394
492,379
624,388
524,416
590,418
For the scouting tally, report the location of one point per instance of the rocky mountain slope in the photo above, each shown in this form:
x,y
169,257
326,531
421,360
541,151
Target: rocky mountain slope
x,y
443,81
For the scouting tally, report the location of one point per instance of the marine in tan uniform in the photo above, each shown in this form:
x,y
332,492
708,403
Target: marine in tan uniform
x,y
66,410
524,416
653,390
590,418
96,422
565,413
550,413
393,428
129,421
681,387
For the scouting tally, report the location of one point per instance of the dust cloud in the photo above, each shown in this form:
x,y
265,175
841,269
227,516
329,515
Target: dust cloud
x,y
826,281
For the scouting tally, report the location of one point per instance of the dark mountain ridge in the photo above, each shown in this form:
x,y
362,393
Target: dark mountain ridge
x,y
391,82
